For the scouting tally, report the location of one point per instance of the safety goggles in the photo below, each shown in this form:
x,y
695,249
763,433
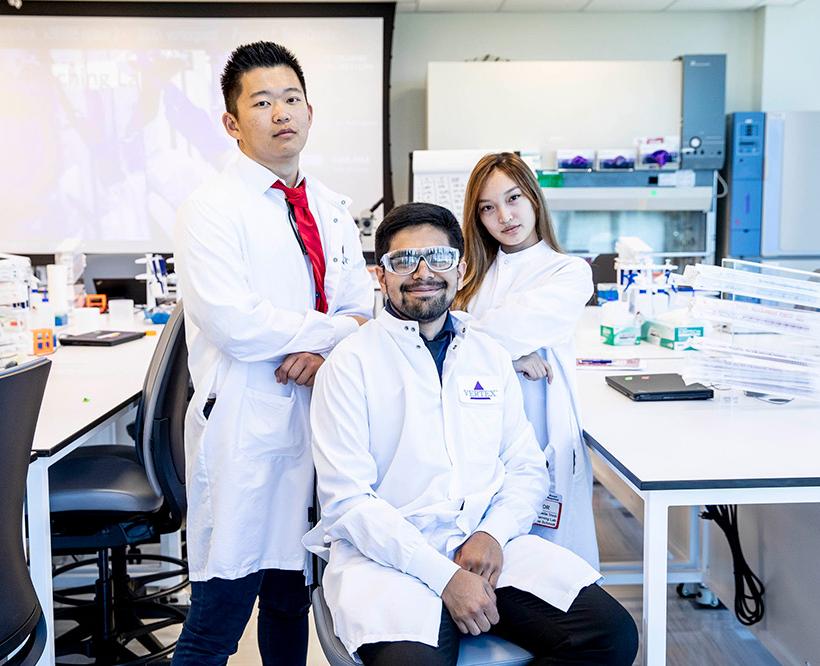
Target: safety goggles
x,y
439,259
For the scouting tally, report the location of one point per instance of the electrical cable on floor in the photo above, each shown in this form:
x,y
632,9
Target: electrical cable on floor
x,y
749,590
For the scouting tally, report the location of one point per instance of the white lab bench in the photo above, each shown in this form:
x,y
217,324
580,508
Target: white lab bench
x,y
692,453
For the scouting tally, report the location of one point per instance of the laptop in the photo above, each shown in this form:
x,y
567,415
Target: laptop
x,y
667,386
101,338
121,288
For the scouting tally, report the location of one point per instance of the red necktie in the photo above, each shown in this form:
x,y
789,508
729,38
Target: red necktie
x,y
297,198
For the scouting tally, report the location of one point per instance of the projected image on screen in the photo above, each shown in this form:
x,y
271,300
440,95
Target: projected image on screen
x,y
111,123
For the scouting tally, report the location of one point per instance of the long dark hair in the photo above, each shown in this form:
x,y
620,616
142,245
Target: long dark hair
x,y
480,247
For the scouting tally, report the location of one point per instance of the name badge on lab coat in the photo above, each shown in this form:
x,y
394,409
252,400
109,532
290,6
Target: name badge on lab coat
x,y
550,513
479,390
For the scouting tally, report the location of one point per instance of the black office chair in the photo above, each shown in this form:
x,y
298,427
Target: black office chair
x,y
107,499
22,624
603,271
603,268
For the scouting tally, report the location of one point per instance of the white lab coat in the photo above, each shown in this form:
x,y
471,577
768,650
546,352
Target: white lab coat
x,y
531,301
248,294
408,468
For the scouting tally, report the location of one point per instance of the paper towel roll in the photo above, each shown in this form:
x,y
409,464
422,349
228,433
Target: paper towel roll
x,y
58,287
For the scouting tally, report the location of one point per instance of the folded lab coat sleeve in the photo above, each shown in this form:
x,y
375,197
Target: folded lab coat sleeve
x,y
346,472
544,315
526,480
220,301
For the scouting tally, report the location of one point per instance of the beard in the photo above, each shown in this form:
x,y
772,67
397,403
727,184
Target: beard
x,y
424,310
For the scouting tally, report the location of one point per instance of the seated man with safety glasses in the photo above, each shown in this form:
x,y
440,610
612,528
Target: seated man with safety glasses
x,y
430,478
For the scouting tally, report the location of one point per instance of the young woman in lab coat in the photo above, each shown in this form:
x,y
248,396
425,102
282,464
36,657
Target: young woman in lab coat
x,y
524,292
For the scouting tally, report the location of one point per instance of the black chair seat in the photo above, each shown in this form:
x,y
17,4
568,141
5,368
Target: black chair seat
x,y
118,450
106,482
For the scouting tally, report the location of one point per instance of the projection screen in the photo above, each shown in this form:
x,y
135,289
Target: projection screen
x,y
109,122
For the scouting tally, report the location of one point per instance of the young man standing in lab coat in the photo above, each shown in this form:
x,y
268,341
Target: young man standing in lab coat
x,y
430,477
272,277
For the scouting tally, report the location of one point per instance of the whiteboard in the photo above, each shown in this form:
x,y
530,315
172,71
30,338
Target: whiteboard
x,y
551,105
109,123
440,176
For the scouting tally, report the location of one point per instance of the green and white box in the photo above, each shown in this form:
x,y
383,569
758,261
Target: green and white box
x,y
670,335
620,335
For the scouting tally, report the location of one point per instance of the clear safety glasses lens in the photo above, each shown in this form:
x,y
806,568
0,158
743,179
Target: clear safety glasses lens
x,y
439,259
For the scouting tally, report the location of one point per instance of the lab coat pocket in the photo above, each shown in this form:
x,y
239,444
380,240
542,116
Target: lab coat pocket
x,y
482,428
270,425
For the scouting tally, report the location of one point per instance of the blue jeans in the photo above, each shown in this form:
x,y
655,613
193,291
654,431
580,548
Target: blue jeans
x,y
220,609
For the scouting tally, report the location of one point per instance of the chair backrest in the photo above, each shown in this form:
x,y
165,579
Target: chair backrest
x,y
161,418
21,394
603,270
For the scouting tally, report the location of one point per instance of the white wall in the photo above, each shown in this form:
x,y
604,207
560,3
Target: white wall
x,y
791,58
780,544
420,38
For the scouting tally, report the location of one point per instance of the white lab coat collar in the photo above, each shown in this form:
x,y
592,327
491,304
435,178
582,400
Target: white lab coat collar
x,y
409,329
341,201
539,249
255,175
259,178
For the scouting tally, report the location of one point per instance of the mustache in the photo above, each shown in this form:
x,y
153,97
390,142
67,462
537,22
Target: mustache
x,y
439,284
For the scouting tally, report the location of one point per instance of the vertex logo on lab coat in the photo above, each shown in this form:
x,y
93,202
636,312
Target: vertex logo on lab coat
x,y
479,390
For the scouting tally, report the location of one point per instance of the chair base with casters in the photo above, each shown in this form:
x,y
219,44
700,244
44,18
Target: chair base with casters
x,y
482,650
117,624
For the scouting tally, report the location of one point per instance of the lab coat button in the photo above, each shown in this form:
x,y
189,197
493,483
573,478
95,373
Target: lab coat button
x,y
335,219
335,259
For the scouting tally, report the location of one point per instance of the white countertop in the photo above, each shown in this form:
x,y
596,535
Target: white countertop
x,y
729,441
86,385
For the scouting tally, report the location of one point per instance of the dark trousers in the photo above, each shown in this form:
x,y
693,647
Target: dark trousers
x,y
220,609
595,630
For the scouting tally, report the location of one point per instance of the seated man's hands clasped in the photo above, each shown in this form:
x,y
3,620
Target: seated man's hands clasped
x,y
469,595
471,602
481,554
